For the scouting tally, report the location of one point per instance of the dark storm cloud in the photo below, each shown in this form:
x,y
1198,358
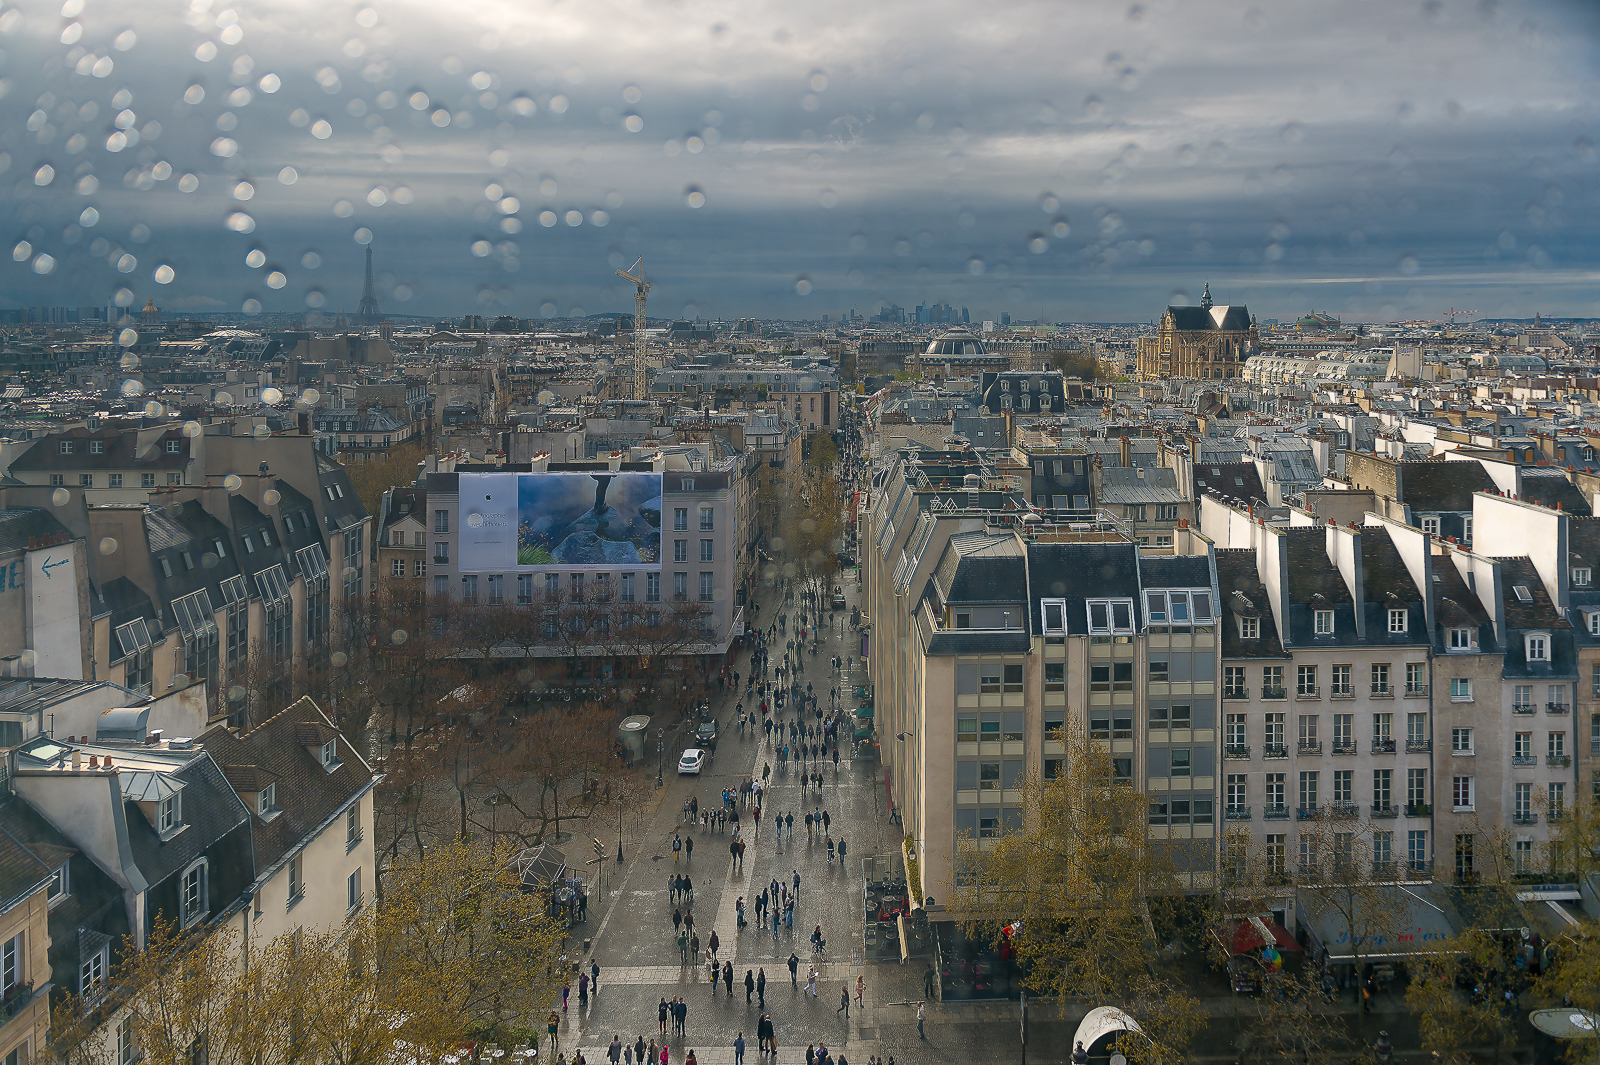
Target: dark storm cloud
x,y
1072,161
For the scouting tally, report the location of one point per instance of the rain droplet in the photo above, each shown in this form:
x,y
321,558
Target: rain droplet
x,y
192,429
244,191
697,199
631,94
310,260
362,235
224,147
153,409
44,175
827,198
398,636
338,658
547,218
108,545
60,497
276,279
194,94
343,208
232,482
261,431
418,101
802,286
188,183
574,218
126,263
250,306
164,274
1093,106
975,265
633,123
819,81
131,388
321,130
378,196
22,252
1409,264
311,397
1037,244
240,222
270,84
89,217
599,218
482,248
129,361
509,205
315,297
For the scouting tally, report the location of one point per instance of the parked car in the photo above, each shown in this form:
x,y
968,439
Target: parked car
x,y
693,760
706,734
838,599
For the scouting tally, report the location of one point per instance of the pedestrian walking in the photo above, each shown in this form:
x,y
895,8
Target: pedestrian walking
x,y
844,1001
661,1014
594,976
811,980
841,851
651,1053
928,976
638,1050
688,848
727,977
738,1049
614,1051
566,993
583,990
677,918
713,943
922,1015
794,968
677,846
861,989
715,972
749,985
761,988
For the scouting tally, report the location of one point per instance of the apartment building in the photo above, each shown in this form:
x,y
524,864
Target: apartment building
x,y
1326,722
993,630
402,535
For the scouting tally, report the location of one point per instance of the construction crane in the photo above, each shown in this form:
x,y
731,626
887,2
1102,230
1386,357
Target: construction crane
x,y
1452,314
641,287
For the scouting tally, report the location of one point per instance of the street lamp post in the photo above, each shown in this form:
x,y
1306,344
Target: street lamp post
x,y
661,747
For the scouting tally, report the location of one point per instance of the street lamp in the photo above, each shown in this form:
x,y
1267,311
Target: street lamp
x,y
903,736
661,756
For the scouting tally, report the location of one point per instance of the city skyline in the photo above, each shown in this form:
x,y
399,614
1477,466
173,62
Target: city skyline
x,y
1066,164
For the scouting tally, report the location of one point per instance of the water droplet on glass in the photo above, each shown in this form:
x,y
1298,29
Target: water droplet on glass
x,y
509,205
224,147
276,279
827,198
599,218
128,337
251,306
633,123
129,361
194,94
270,83
547,218
418,101
975,264
819,81
244,191
188,183
232,482
22,252
240,222
362,235
1037,244
60,497
1409,264
192,429
261,431
44,175
315,297
164,274
108,545
321,130
343,208
377,196
131,387
697,199
1093,106
802,286
311,396
88,217
398,636
574,218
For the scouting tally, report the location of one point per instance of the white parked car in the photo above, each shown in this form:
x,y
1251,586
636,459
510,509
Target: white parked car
x,y
693,760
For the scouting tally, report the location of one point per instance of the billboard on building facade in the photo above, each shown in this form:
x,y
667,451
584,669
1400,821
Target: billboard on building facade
x,y
573,521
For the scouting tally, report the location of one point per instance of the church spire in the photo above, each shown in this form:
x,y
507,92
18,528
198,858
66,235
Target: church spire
x,y
1205,297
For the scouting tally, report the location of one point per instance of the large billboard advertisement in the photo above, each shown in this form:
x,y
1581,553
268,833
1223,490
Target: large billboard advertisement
x,y
574,521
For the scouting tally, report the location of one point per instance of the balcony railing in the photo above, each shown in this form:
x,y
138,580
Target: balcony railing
x,y
1345,747
1416,746
1555,708
1416,689
1308,691
1236,693
1275,813
1382,691
1274,693
1345,810
1310,746
1237,751
1522,708
1418,809
1524,759
1237,813
1383,871
1274,750
1528,818
1563,760
1383,746
1309,813
1385,811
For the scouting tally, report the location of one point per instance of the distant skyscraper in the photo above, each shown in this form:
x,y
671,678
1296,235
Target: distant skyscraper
x,y
368,314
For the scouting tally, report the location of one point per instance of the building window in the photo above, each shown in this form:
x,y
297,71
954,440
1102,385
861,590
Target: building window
x,y
1580,577
680,587
147,480
1430,526
1380,678
680,550
124,1040
1417,849
1053,613
266,800
1461,741
469,587
441,521
352,892
114,480
1462,639
497,586
680,518
652,587
397,567
1307,681
1416,678
706,550
297,883
192,893
85,480
1556,799
328,755
1461,689
1538,647
169,814
57,480
1108,616
419,568
92,973
352,826
706,523
1397,621
707,590
1323,623
1233,682
524,588
1461,792
441,552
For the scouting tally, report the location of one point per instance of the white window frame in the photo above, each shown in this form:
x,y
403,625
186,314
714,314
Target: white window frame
x,y
125,1045
1045,605
1461,689
1399,622
199,869
1536,646
1110,606
1582,576
1461,741
60,883
1249,628
169,814
1463,639
1592,621
328,754
266,799
352,892
92,973
1471,788
1322,622
1430,526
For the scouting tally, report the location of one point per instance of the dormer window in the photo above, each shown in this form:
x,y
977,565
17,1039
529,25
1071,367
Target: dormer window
x,y
328,755
60,884
1581,578
174,447
1462,639
97,447
1538,647
267,800
1323,623
1522,593
1249,628
1398,620
1592,621
169,814
1053,615
1108,616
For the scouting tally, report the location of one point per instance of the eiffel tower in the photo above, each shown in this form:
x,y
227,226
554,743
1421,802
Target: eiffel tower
x,y
368,314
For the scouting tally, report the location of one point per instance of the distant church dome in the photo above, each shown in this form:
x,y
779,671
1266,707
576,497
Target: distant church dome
x,y
956,342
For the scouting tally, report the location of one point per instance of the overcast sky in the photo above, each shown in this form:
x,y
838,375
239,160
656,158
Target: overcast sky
x,y
1061,159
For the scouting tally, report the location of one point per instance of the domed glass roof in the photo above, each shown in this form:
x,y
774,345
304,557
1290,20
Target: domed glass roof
x,y
956,342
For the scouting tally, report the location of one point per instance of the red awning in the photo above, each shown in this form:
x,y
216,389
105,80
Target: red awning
x,y
1248,935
